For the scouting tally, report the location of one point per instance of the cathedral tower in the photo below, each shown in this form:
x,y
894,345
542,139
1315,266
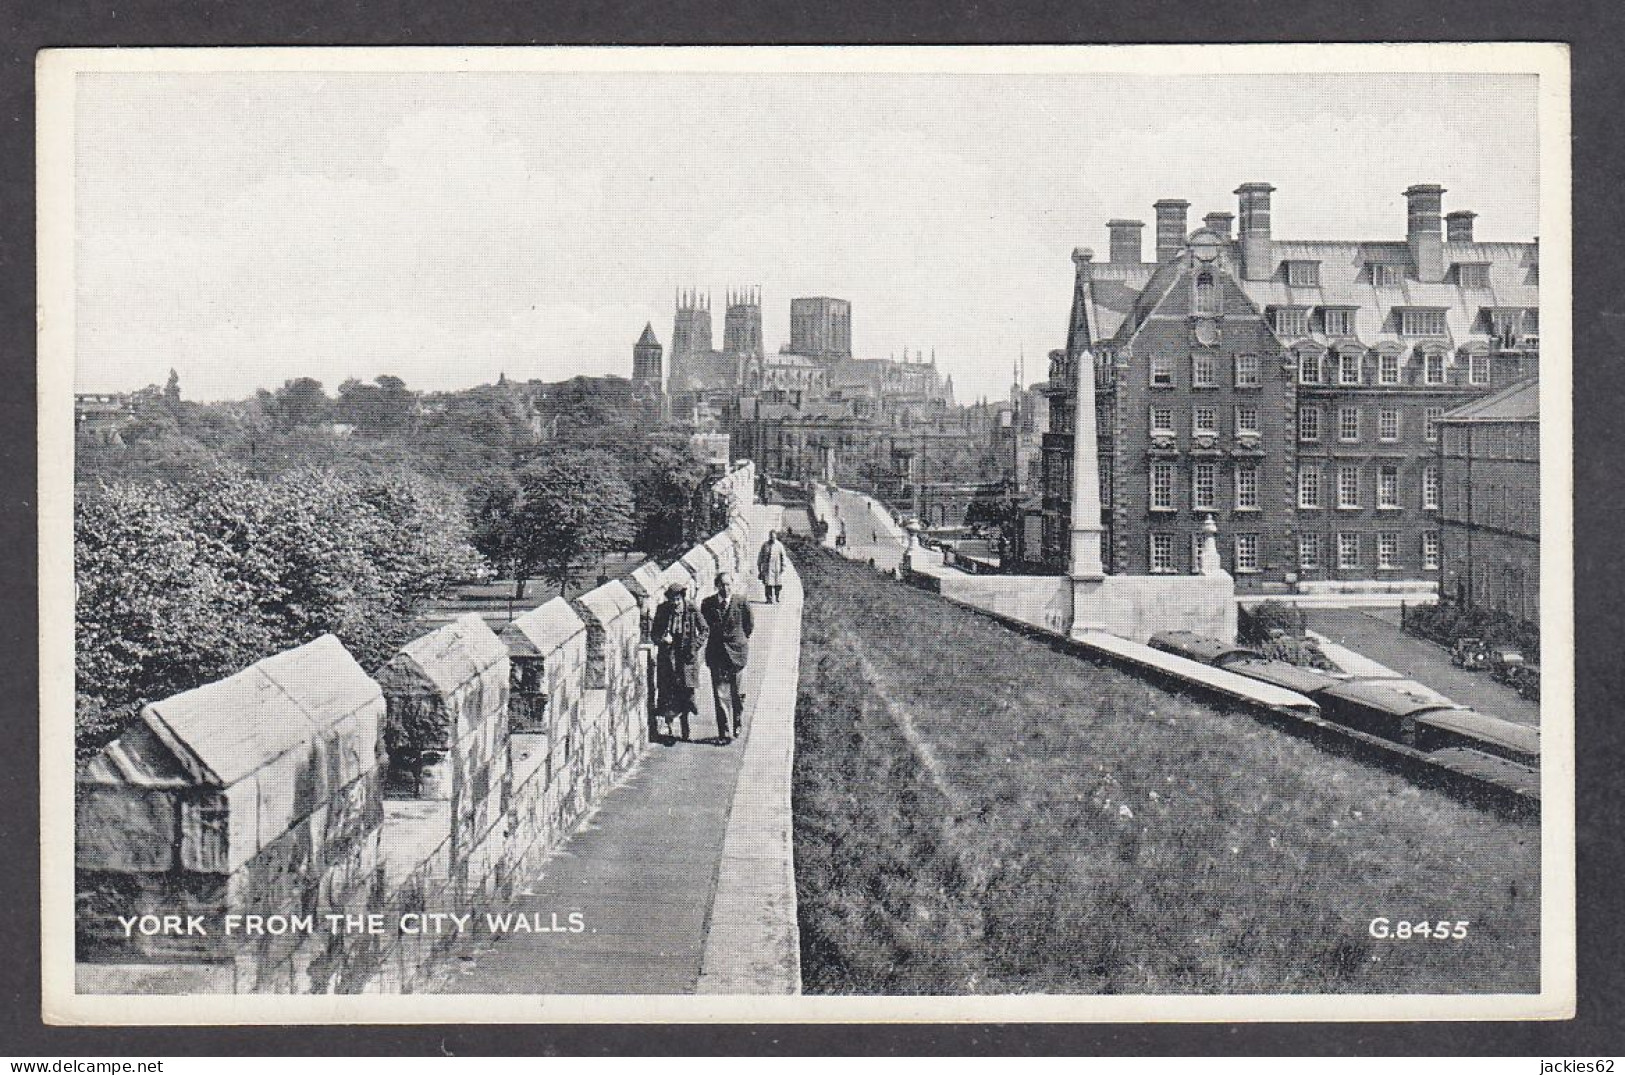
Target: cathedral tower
x,y
742,323
690,335
647,376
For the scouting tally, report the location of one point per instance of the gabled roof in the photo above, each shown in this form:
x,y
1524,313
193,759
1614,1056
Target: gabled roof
x,y
1113,291
1519,402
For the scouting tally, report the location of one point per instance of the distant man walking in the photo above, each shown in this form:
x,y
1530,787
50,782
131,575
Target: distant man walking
x,y
728,619
770,566
679,633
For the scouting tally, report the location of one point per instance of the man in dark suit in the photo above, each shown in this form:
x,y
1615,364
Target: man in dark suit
x,y
727,614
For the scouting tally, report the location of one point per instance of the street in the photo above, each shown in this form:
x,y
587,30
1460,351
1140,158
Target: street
x,y
1375,635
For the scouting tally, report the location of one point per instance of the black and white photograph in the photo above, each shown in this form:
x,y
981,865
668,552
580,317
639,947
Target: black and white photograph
x,y
768,534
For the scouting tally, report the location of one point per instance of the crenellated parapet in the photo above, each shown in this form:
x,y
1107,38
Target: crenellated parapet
x,y
302,788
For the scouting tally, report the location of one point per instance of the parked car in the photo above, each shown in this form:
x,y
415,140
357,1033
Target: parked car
x,y
1502,662
1525,679
1469,653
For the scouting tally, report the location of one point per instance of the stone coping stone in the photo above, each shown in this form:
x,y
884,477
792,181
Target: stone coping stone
x,y
453,655
227,730
702,564
543,629
606,604
645,582
138,758
722,551
675,573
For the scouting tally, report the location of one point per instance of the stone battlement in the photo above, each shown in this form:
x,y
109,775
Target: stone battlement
x,y
351,809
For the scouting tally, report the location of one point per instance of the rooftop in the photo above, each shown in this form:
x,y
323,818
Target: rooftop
x,y
1518,402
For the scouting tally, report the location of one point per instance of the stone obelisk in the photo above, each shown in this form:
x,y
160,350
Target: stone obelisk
x,y
1085,562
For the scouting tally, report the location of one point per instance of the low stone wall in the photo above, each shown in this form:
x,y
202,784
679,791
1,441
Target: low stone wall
x,y
1136,607
264,794
1040,600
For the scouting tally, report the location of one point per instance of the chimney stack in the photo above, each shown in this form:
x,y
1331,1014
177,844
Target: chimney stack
x,y
1170,228
1257,259
1125,241
1458,226
1081,257
1422,231
1218,223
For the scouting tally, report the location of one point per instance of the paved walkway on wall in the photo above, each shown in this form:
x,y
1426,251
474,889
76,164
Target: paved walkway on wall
x,y
1379,638
653,868
870,533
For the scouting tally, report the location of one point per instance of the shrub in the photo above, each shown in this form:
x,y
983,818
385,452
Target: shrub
x,y
1447,622
1266,620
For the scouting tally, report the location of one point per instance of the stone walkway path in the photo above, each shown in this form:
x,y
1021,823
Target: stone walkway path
x,y
870,533
646,870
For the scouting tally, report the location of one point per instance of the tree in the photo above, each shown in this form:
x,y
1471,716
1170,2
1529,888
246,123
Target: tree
x,y
301,402
668,483
156,612
596,412
184,582
380,409
576,507
493,517
172,390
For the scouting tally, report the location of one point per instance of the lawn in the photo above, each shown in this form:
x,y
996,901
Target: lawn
x,y
976,812
494,600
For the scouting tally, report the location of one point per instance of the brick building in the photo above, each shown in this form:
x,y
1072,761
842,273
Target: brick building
x,y
1290,389
1488,543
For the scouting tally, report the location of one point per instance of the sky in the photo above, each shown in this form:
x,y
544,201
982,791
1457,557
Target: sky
x,y
248,228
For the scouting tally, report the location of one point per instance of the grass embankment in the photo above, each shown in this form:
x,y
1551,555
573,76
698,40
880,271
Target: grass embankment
x,y
978,813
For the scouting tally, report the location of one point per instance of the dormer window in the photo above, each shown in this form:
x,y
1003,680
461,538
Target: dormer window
x,y
1422,321
1308,367
1291,321
1510,324
1303,273
1433,368
1339,321
1385,274
1473,274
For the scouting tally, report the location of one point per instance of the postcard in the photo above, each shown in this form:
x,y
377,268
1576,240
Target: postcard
x,y
806,534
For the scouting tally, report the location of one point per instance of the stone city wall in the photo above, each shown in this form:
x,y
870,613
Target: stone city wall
x,y
302,788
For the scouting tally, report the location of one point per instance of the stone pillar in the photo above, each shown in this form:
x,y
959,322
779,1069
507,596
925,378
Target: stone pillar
x,y
1210,547
1085,562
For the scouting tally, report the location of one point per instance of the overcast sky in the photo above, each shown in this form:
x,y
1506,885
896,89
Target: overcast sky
x,y
245,229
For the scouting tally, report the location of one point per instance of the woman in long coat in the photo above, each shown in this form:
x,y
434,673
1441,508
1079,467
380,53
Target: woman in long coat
x,y
679,633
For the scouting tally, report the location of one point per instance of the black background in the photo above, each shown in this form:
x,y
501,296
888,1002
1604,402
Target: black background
x,y
1592,29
